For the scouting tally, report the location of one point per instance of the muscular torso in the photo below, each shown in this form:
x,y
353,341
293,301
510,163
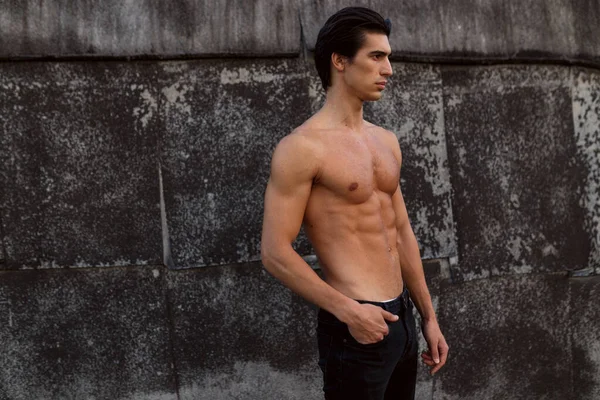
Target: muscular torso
x,y
349,216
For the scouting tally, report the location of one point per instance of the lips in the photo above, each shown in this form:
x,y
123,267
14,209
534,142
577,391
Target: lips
x,y
381,84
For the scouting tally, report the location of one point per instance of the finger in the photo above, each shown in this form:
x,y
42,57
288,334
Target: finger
x,y
378,339
389,316
427,360
426,356
429,363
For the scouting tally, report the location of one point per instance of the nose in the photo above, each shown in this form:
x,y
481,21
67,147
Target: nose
x,y
387,68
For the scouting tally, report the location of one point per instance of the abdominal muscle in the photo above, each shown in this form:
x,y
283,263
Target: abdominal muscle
x,y
355,244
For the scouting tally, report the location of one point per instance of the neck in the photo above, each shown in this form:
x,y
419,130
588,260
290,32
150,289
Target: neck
x,y
343,108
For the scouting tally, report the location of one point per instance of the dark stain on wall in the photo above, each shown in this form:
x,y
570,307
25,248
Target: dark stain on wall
x,y
85,333
516,178
507,335
586,336
231,315
79,175
222,122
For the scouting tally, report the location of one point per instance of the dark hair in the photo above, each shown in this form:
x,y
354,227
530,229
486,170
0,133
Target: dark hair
x,y
344,33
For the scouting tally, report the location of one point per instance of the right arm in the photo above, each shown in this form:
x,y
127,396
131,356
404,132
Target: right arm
x,y
294,165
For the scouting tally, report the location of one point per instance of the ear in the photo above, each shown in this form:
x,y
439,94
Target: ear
x,y
338,61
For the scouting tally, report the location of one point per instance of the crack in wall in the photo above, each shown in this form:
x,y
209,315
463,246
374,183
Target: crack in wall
x,y
167,259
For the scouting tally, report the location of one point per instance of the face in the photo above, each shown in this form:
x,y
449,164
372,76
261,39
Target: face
x,y
367,73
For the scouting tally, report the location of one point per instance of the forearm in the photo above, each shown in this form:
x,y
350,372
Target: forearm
x,y
289,268
412,272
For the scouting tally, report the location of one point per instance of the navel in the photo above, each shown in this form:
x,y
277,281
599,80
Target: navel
x,y
353,187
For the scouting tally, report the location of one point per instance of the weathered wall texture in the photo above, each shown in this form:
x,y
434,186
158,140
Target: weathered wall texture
x,y
478,30
560,30
79,160
499,171
148,27
155,172
210,127
222,120
75,334
531,336
514,160
586,121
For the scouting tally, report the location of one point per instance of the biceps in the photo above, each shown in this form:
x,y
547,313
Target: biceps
x,y
284,212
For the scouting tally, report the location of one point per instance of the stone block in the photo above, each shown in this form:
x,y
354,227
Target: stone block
x,y
509,337
79,166
586,114
238,333
222,120
517,178
148,28
75,334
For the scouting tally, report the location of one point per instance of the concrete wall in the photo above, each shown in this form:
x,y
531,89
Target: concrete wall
x,y
560,30
131,196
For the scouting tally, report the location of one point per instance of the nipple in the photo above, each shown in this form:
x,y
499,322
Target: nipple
x,y
353,186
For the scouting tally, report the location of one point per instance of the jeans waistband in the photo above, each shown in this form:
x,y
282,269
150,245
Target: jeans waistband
x,y
397,306
399,303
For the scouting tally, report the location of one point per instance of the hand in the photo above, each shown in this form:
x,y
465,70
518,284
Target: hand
x,y
437,354
368,325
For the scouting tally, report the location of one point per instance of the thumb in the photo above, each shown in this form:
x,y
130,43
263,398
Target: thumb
x,y
433,348
389,316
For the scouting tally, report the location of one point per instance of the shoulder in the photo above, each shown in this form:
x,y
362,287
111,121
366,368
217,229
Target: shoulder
x,y
300,143
298,153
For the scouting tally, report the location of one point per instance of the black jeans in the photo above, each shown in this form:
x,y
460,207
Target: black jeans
x,y
386,370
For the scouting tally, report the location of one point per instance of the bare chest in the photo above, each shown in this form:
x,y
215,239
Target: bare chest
x,y
355,168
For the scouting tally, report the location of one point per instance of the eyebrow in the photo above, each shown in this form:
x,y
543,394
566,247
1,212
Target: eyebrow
x,y
379,53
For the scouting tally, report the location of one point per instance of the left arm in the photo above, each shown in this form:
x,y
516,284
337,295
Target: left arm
x,y
414,278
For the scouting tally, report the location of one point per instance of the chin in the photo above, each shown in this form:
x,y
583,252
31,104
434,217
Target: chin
x,y
372,96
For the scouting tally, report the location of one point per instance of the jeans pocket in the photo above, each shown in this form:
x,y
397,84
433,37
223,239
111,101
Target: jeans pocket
x,y
350,341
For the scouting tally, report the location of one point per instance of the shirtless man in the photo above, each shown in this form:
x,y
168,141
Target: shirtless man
x,y
339,175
